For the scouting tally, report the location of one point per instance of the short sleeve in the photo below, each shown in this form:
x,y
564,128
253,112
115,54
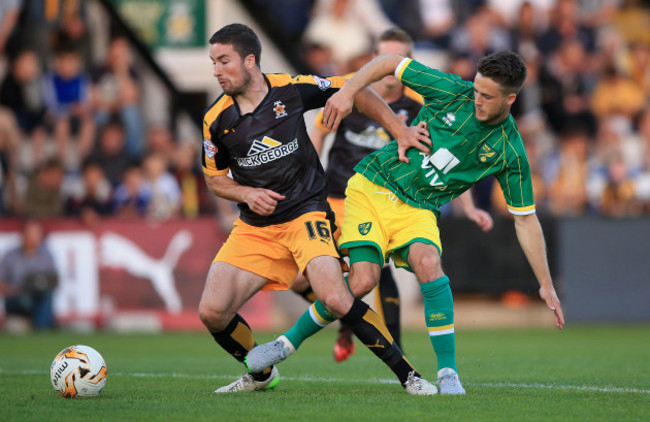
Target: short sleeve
x,y
315,91
516,184
430,83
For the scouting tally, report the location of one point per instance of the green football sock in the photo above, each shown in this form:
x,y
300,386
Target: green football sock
x,y
439,317
312,321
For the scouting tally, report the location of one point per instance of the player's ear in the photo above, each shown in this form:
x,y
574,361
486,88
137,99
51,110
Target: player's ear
x,y
249,61
510,98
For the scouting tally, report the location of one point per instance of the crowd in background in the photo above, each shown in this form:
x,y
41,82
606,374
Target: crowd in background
x,y
74,140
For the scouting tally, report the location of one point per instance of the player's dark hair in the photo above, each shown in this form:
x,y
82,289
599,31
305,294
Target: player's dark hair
x,y
396,34
505,68
242,39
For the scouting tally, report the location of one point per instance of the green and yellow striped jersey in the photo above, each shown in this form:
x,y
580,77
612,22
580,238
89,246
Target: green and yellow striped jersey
x,y
464,150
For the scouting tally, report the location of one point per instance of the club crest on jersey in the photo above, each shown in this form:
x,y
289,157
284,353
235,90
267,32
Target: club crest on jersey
x,y
323,84
279,109
209,148
364,228
486,153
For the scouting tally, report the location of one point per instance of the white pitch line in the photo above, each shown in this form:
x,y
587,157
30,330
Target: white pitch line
x,y
366,380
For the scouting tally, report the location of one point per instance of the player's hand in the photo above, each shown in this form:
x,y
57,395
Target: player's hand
x,y
338,106
550,297
263,201
413,137
482,218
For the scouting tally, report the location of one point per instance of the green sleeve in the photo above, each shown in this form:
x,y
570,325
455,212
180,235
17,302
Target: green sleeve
x,y
517,187
431,83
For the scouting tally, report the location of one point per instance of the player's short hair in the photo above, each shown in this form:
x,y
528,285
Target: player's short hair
x,y
396,34
506,68
242,39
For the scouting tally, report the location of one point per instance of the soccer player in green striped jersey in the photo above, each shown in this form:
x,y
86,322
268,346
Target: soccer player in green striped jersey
x,y
393,201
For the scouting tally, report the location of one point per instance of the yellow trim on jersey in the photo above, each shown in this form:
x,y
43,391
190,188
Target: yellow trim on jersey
x,y
408,92
279,79
318,122
210,116
530,209
400,68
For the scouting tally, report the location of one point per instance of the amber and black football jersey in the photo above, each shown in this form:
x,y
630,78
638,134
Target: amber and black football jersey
x,y
358,136
269,148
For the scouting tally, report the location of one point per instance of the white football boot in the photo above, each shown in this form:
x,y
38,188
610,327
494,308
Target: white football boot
x,y
448,382
269,354
248,383
418,386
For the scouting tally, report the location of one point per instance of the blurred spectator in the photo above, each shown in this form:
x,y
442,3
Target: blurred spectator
x,y
643,132
347,27
615,137
617,196
639,66
566,87
110,152
532,15
116,91
8,140
462,66
196,199
132,196
479,36
567,174
438,20
526,28
406,14
67,96
92,196
21,92
165,193
160,140
319,59
566,24
44,196
616,94
28,278
9,13
44,24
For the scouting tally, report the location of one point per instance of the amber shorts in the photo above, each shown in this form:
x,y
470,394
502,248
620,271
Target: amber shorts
x,y
278,252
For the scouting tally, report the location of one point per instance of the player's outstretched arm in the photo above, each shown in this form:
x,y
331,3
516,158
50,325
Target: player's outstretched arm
x,y
260,201
340,104
531,239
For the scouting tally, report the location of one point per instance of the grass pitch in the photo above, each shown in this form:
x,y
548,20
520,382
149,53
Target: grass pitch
x,y
578,374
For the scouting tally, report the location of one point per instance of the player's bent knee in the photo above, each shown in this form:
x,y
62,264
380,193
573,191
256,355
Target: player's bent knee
x,y
213,318
362,285
338,304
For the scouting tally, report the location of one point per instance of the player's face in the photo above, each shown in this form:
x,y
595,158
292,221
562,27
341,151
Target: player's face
x,y
230,69
393,47
491,105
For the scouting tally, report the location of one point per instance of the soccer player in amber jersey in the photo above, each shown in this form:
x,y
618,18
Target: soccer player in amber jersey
x,y
392,205
256,131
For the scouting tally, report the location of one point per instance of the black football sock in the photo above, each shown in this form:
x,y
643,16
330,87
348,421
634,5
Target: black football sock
x,y
370,329
237,339
390,306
